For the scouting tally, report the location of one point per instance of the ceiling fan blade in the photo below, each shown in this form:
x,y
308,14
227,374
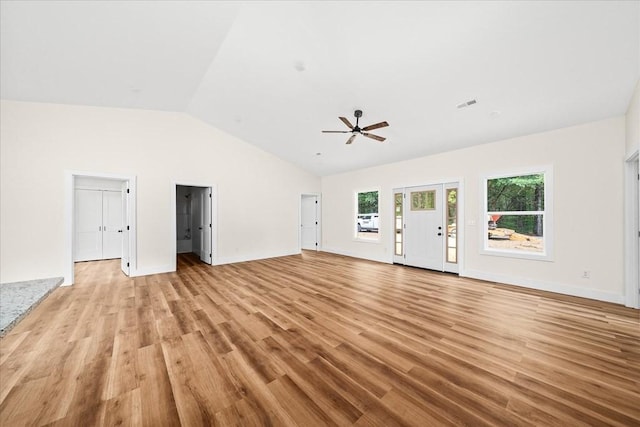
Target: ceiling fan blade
x,y
372,136
350,140
346,122
376,126
336,131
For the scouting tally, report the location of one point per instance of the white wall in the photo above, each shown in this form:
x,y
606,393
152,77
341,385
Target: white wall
x,y
633,123
258,194
588,210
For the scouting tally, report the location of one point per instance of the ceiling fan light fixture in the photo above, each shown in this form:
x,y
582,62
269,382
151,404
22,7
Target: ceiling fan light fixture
x,y
355,130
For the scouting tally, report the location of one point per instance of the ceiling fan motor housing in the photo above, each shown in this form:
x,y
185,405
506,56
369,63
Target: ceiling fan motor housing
x,y
357,113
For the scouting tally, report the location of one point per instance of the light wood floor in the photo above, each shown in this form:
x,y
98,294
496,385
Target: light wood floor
x,y
316,339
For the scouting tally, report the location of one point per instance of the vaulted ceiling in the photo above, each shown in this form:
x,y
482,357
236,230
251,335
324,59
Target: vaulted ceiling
x,y
277,73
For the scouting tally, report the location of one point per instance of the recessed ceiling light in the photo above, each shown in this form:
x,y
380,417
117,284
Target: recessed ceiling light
x,y
494,113
318,154
299,66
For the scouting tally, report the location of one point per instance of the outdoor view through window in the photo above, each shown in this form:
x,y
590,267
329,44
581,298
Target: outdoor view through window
x,y
516,213
367,219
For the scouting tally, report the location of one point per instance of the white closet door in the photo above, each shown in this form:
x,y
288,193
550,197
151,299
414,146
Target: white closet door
x,y
88,217
111,224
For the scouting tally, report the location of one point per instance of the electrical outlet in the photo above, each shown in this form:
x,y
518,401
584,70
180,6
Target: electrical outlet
x,y
586,274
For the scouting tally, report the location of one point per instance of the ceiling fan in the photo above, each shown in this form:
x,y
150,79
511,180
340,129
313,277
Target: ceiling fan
x,y
355,130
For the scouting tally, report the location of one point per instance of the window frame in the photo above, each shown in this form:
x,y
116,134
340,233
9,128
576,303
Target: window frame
x,y
356,238
547,215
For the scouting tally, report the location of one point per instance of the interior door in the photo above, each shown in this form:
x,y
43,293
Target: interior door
x,y
124,241
309,222
111,224
88,225
424,227
197,221
207,229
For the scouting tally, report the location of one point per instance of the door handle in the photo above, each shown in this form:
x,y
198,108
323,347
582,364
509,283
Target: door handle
x,y
119,231
439,234
199,228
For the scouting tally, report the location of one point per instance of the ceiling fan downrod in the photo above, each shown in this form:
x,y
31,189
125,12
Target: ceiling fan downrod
x,y
356,128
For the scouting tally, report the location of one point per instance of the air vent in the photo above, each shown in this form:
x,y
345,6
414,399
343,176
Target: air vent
x,y
467,104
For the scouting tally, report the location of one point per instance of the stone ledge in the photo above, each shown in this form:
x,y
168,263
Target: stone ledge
x,y
17,299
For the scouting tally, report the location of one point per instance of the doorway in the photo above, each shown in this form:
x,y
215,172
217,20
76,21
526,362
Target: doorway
x,y
193,222
426,227
310,222
99,220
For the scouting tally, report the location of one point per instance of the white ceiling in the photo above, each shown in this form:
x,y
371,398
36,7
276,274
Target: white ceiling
x,y
277,73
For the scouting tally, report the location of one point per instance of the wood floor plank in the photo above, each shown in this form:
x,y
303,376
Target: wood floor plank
x,y
18,406
312,383
124,410
157,404
10,344
190,401
302,408
257,395
316,339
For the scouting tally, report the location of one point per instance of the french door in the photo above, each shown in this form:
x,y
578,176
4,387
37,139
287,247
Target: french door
x,y
426,223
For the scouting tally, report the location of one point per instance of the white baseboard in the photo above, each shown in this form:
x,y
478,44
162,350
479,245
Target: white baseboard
x,y
546,286
147,271
253,257
354,255
474,274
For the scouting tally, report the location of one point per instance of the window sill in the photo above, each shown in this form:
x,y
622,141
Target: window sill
x,y
517,254
376,240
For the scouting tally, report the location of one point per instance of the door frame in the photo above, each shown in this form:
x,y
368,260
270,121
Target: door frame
x,y
631,227
318,216
69,218
214,220
461,218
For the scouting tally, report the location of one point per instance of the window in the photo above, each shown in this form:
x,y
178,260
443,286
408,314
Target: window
x,y
367,218
452,225
397,200
517,220
423,200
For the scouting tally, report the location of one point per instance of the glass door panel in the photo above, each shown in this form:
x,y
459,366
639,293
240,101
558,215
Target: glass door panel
x,y
452,225
397,197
